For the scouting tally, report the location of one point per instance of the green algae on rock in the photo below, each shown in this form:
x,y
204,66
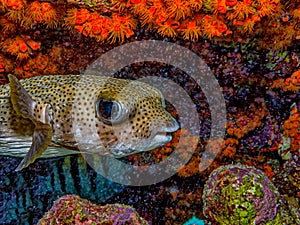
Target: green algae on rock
x,y
239,194
71,209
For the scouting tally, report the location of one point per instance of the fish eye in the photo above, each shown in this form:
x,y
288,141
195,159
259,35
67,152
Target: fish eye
x,y
108,111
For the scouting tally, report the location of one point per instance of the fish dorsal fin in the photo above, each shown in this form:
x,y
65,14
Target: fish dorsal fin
x,y
20,99
24,105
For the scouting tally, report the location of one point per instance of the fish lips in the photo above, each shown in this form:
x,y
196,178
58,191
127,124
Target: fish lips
x,y
161,138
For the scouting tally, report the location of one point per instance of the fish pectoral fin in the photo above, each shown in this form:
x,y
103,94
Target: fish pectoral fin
x,y
42,136
23,104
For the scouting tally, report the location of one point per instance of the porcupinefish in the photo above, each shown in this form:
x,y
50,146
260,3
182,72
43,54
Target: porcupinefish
x,y
56,115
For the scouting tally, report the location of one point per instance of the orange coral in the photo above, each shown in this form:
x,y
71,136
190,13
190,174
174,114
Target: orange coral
x,y
291,129
296,14
43,12
119,5
294,80
289,84
190,169
190,20
268,171
137,6
219,18
168,28
221,6
6,64
191,31
178,9
90,24
14,4
229,147
244,123
15,10
41,64
19,47
230,2
7,25
121,27
213,26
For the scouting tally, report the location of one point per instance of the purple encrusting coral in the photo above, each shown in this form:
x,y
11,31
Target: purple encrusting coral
x,y
71,209
238,194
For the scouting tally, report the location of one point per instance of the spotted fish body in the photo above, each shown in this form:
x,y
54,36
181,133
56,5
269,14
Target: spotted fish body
x,y
56,115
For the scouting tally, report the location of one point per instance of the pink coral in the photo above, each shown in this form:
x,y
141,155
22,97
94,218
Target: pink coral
x,y
71,209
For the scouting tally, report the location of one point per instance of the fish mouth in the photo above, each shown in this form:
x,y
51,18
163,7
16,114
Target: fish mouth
x,y
163,136
160,139
174,126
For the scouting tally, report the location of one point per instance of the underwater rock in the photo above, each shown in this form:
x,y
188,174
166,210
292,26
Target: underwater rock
x,y
25,196
288,178
71,209
238,194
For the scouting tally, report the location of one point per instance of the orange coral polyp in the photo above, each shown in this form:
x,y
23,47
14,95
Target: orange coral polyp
x,y
247,2
196,4
82,16
222,27
231,3
15,4
33,45
138,2
96,29
46,7
48,12
128,21
41,13
192,31
178,9
167,29
22,46
116,28
129,33
221,6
